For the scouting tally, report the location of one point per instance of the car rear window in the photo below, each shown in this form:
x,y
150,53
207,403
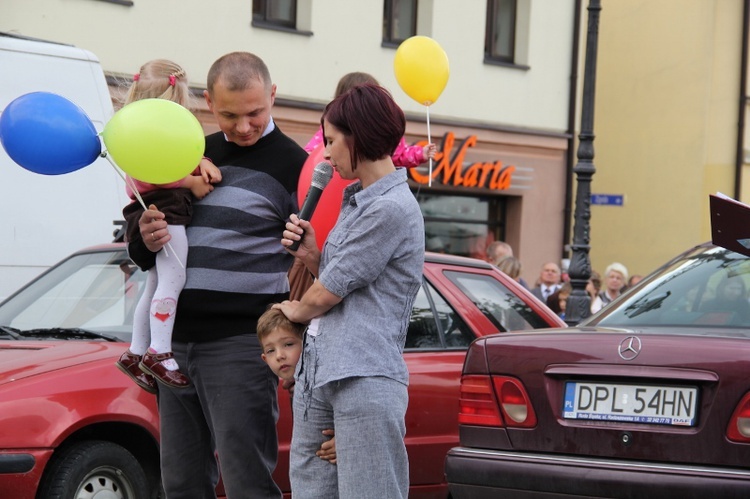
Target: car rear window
x,y
500,305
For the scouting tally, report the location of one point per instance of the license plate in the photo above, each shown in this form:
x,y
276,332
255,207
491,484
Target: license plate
x,y
666,405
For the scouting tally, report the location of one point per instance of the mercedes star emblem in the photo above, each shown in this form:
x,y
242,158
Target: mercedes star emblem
x,y
629,348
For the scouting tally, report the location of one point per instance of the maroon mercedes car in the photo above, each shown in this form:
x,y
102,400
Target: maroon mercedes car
x,y
648,398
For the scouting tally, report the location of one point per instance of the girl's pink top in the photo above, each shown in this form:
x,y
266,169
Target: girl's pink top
x,y
404,155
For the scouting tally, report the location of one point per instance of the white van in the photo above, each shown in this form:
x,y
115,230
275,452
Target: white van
x,y
43,218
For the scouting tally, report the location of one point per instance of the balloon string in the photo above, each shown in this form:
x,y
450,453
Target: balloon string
x,y
130,182
429,141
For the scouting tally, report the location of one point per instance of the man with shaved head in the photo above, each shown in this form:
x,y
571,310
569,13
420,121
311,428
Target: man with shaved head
x,y
236,268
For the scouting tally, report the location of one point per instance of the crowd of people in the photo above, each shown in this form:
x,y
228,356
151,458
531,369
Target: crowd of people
x,y
553,285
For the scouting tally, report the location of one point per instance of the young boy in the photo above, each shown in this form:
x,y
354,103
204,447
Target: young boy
x,y
281,343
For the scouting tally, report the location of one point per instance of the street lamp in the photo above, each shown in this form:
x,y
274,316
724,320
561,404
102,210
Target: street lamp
x,y
579,302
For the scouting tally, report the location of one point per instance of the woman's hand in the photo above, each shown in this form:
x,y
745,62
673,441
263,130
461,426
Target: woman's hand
x,y
153,229
328,449
316,301
295,229
287,308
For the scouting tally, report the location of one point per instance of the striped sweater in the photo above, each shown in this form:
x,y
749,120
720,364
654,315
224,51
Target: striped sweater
x,y
236,265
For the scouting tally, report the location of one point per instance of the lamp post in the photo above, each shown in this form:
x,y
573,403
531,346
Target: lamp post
x,y
579,302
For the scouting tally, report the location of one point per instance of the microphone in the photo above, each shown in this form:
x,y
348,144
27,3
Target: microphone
x,y
321,175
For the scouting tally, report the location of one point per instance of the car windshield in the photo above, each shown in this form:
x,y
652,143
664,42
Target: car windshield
x,y
88,295
703,291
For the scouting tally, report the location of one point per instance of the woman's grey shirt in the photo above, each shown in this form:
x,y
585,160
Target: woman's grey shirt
x,y
373,259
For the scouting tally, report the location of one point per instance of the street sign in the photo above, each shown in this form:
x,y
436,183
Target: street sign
x,y
608,199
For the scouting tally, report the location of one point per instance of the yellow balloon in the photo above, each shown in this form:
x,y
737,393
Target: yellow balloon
x,y
155,140
421,67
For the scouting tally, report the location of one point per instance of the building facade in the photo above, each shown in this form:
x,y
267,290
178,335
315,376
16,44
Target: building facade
x,y
671,93
503,125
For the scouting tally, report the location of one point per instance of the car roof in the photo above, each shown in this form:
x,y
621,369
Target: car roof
x,y
440,258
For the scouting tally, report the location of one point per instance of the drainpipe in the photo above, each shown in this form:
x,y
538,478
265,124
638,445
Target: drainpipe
x,y
740,159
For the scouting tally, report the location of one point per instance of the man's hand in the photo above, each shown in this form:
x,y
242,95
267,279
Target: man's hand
x,y
153,229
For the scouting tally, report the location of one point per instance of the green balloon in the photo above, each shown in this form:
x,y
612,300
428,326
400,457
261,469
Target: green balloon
x,y
155,140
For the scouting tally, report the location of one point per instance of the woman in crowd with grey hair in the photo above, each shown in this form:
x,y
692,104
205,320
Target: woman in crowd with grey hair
x,y
615,277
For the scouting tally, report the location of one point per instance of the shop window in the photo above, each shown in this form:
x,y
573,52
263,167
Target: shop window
x,y
507,32
462,225
399,21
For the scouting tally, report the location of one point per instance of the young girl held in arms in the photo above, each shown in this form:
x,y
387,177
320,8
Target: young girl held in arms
x,y
150,357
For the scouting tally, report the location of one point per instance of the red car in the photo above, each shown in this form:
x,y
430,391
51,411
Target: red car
x,y
72,425
648,398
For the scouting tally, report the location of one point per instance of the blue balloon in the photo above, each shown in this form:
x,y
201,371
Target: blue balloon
x,y
46,133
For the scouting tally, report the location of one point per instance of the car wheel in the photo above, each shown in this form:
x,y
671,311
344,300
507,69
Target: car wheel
x,y
87,470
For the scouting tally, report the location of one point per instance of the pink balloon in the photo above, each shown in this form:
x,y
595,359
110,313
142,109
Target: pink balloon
x,y
327,211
